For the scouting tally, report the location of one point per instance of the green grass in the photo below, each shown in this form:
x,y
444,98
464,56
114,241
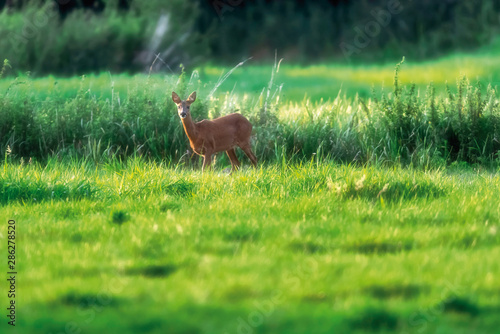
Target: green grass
x,y
404,124
312,82
315,247
326,81
117,232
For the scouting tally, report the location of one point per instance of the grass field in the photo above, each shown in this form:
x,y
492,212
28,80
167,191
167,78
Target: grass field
x,y
135,116
363,216
313,82
316,248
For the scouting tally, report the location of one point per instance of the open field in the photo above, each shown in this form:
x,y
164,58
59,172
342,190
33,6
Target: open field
x,y
317,247
373,208
406,123
369,212
314,82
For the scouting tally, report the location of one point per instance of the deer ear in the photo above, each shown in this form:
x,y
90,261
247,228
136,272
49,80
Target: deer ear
x,y
191,98
176,98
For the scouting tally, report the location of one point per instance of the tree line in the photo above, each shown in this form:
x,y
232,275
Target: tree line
x,y
81,36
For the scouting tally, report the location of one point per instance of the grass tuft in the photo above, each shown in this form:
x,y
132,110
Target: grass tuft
x,y
119,216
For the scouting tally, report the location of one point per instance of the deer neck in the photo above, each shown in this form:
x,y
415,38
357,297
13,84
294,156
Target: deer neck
x,y
190,128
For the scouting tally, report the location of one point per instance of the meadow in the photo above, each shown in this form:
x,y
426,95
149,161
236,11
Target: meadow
x,y
369,212
318,248
407,122
315,83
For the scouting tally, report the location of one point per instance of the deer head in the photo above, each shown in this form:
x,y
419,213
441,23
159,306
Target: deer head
x,y
183,106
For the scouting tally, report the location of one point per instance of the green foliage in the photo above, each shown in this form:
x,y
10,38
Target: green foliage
x,y
39,39
4,67
417,29
404,126
278,242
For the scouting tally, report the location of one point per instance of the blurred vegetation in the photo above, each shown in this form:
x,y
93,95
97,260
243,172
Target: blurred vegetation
x,y
78,37
314,30
37,37
405,125
311,248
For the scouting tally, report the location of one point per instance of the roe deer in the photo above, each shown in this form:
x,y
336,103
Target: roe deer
x,y
221,134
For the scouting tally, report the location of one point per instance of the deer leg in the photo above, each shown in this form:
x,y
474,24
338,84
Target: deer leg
x,y
235,164
207,160
248,152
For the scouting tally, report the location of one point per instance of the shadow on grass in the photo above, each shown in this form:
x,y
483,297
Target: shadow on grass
x,y
374,320
379,247
241,233
161,325
29,191
369,247
461,305
153,271
88,300
169,206
307,247
391,191
394,291
180,188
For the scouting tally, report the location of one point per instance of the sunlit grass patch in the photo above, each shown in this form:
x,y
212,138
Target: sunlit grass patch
x,y
213,246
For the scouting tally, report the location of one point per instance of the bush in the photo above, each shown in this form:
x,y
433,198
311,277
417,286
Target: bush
x,y
37,39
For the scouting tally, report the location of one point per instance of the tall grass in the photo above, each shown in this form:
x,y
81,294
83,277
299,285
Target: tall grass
x,y
405,125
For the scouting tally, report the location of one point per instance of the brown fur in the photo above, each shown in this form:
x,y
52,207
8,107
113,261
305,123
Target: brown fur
x,y
222,134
